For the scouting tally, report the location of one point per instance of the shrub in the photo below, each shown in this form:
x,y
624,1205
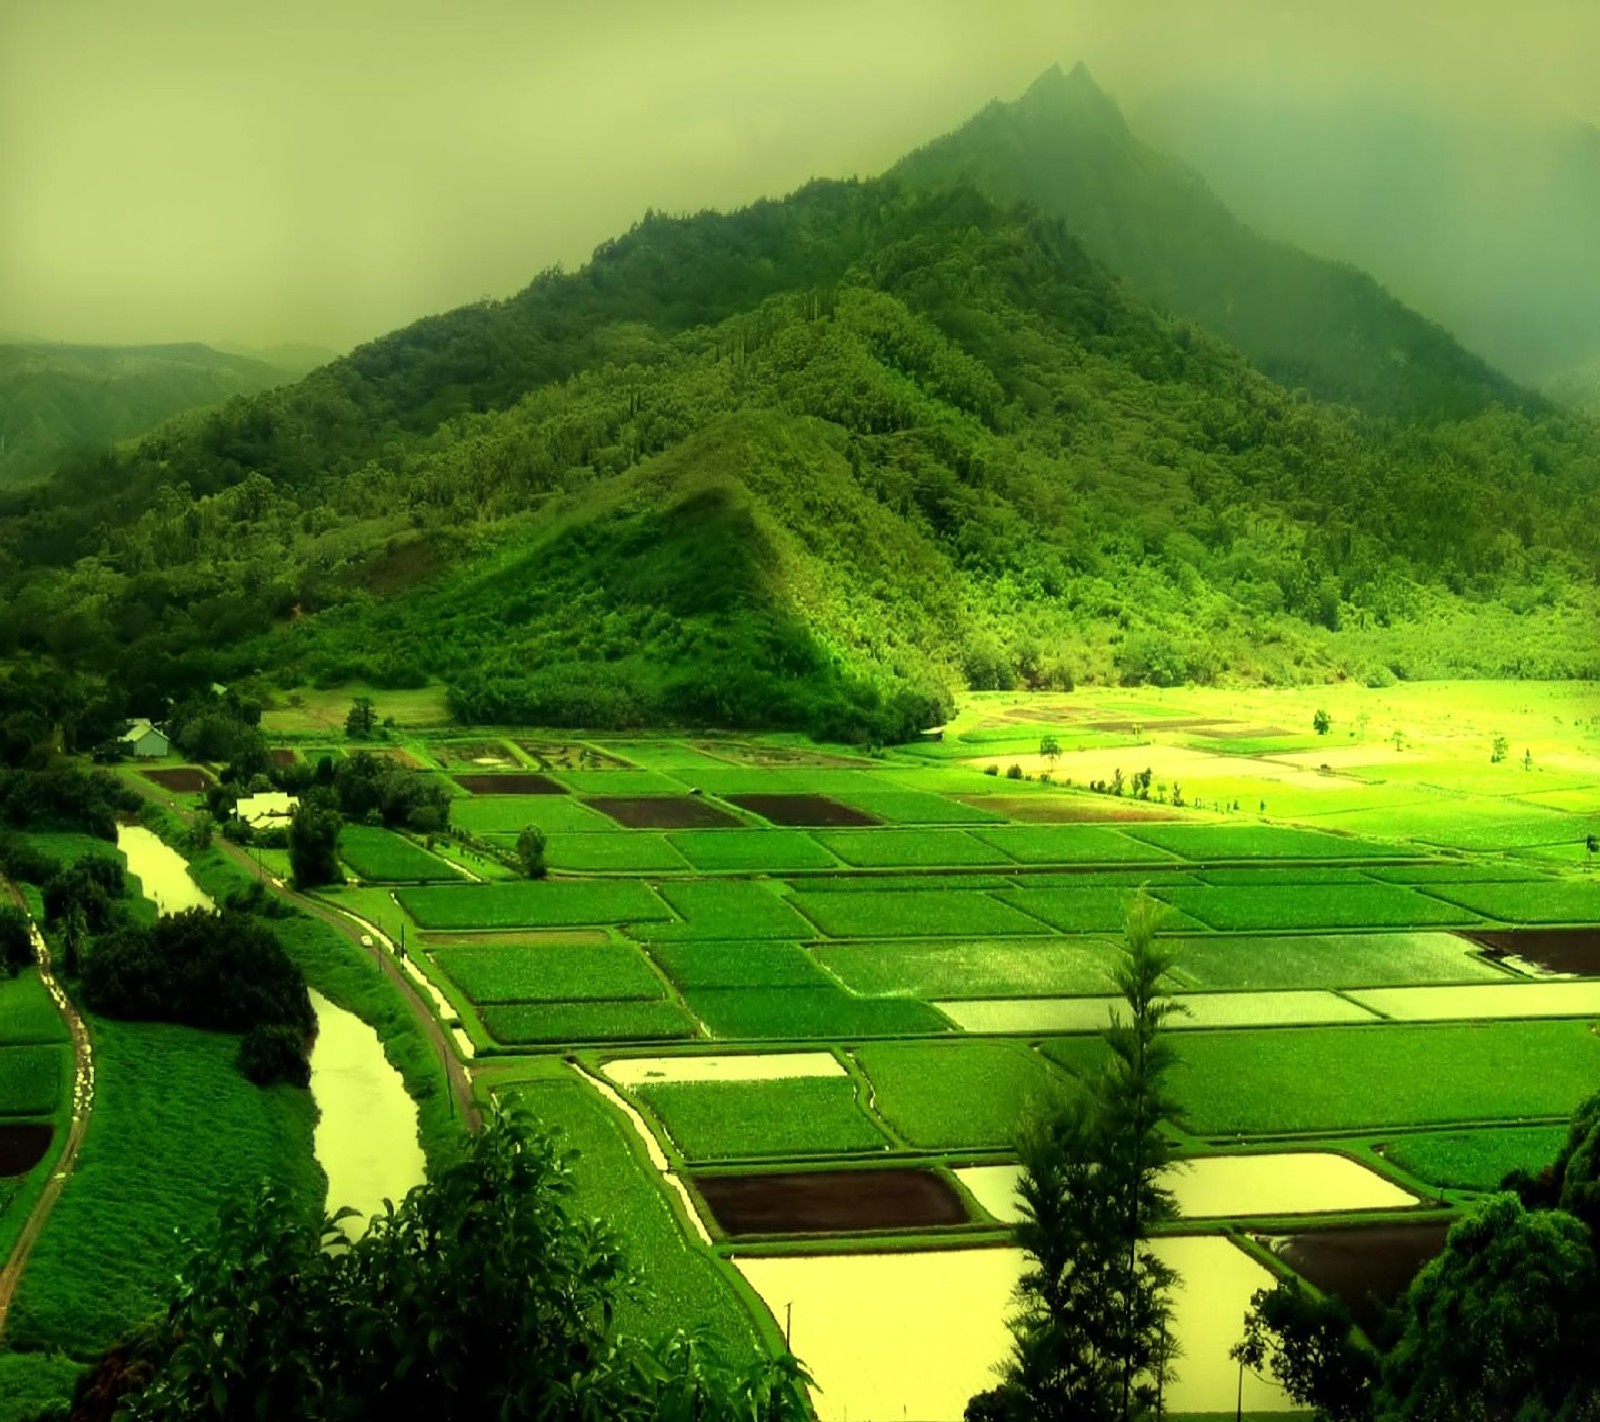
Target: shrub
x,y
274,1052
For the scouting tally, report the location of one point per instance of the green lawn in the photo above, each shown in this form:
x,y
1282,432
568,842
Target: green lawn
x,y
636,851
1241,909
550,972
1549,901
383,857
905,848
1331,960
32,1079
913,914
176,1131
527,903
772,851
737,964
26,1012
680,1282
1346,1078
743,1120
540,1023
958,1094
1072,844
733,908
1475,1160
978,968
822,1011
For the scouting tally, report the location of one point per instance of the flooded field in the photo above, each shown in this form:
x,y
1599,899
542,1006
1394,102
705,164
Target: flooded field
x,y
366,1133
752,1066
1233,1186
1484,1002
161,871
917,1334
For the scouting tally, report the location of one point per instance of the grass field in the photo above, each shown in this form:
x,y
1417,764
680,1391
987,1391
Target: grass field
x,y
1072,844
33,1078
550,973
679,1281
737,964
772,851
507,814
901,848
738,1120
537,1023
141,1184
381,856
914,913
736,908
1211,844
635,852
26,1013
1343,1078
959,1094
1089,910
1553,901
980,968
822,1011
1331,960
548,903
1475,1160
1245,908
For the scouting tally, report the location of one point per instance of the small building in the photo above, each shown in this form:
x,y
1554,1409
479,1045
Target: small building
x,y
271,809
142,739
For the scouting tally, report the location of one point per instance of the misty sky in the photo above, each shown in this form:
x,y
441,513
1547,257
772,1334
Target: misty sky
x,y
325,170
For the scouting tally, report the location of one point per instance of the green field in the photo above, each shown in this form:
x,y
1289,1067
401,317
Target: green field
x,y
548,903
772,851
636,852
507,814
1091,909
539,1023
1331,960
1269,908
737,964
381,856
739,1120
736,908
823,1011
1211,844
912,913
1313,1079
981,968
1072,844
33,1078
958,1095
1475,1160
27,1014
1553,901
550,972
903,848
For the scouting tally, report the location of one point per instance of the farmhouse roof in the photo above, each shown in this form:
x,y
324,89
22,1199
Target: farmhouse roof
x,y
267,806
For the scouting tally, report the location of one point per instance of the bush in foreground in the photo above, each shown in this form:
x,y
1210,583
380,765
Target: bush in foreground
x,y
483,1295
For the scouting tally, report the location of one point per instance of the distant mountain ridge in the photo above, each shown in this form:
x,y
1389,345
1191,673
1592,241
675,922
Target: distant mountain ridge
x,y
810,464
58,399
1306,322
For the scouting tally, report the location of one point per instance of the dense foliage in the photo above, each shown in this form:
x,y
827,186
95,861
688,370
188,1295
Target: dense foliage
x,y
16,942
483,1295
812,464
65,797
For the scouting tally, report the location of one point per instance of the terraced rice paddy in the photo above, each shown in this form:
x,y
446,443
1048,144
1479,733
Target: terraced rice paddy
x,y
830,989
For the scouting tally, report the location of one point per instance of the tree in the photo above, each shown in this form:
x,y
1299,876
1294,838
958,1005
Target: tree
x,y
1050,750
1499,750
1527,760
283,1318
16,940
530,851
314,846
1310,1345
361,720
1501,1324
1321,723
1090,1338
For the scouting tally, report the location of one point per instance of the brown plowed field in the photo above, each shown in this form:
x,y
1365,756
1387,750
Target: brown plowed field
x,y
803,811
23,1147
185,779
829,1201
1557,950
1364,1267
662,811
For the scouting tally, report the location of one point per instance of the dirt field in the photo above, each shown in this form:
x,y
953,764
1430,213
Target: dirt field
x,y
661,812
23,1147
806,811
1360,1266
525,783
827,1201
185,780
1556,950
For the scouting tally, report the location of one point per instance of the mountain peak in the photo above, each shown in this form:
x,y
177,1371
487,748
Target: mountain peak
x,y
1071,93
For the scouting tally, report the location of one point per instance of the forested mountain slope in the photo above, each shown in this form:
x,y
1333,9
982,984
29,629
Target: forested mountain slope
x,y
57,399
810,464
1306,321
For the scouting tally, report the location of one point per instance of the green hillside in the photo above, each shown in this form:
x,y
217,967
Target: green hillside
x,y
1307,322
60,400
811,464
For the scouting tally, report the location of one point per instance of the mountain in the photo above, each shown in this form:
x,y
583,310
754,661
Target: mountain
x,y
57,400
1486,221
810,464
1307,322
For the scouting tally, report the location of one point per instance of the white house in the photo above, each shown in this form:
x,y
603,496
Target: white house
x,y
142,739
271,809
